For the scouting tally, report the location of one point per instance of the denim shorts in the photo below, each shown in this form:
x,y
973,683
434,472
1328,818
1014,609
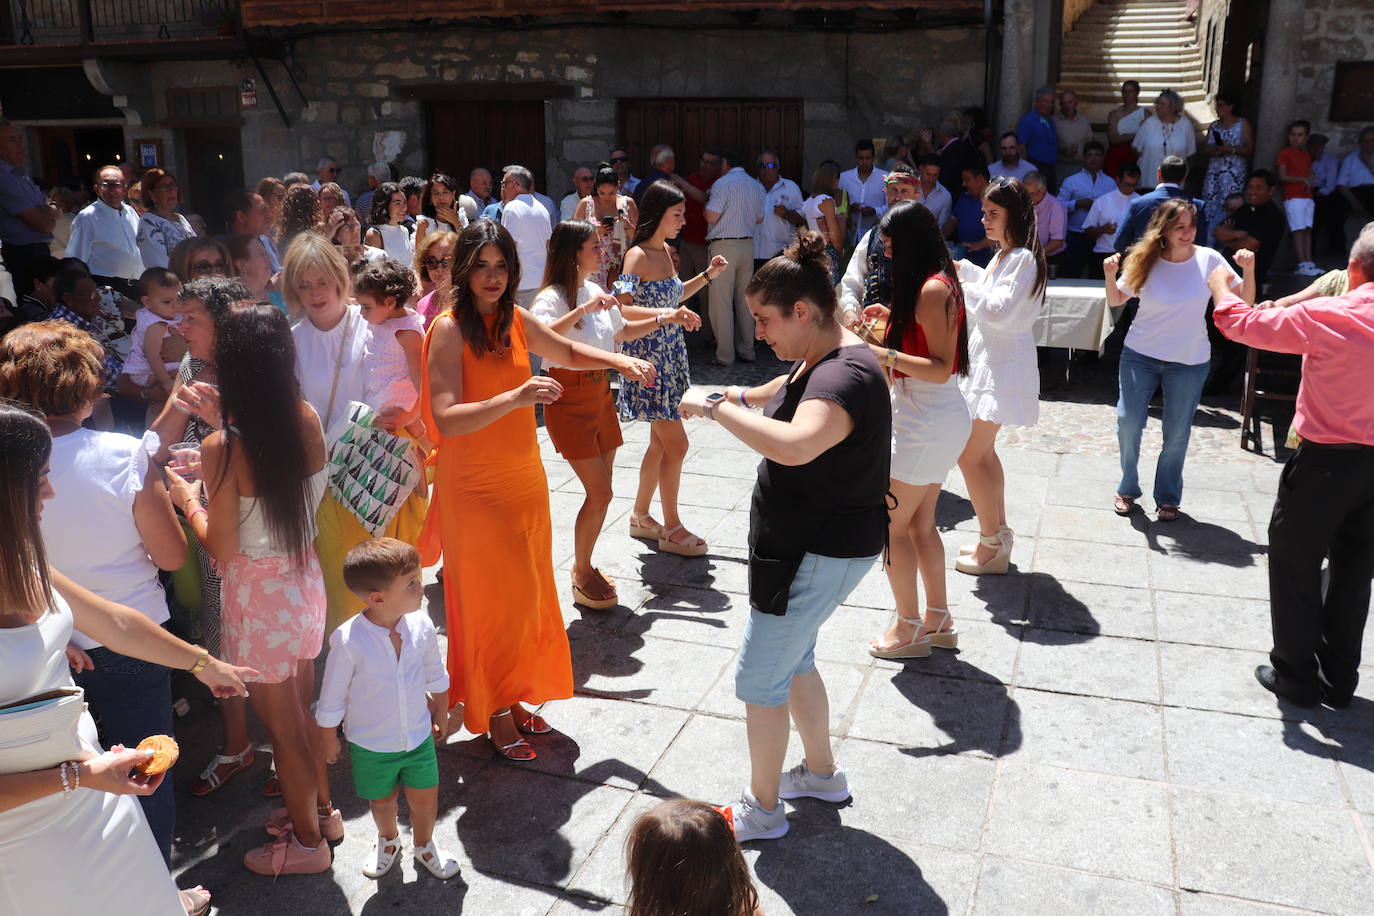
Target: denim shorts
x,y
776,647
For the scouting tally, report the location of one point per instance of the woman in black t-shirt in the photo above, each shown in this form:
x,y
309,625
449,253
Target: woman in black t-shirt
x,y
817,522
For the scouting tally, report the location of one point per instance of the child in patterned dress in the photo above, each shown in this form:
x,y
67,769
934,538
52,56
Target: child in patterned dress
x,y
392,355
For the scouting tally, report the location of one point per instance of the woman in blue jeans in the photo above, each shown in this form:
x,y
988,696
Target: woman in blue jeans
x,y
816,524
1166,346
110,528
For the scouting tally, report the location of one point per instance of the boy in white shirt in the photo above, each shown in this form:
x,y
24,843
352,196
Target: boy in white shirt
x,y
385,681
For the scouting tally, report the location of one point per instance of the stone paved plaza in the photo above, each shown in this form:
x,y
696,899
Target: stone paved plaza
x,y
1097,745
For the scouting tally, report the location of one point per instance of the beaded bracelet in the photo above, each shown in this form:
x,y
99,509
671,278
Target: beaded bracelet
x,y
66,786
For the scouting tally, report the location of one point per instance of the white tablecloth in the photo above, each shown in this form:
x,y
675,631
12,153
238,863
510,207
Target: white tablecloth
x,y
1075,315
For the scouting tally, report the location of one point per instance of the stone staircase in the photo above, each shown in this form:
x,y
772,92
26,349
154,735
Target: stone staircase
x,y
1150,41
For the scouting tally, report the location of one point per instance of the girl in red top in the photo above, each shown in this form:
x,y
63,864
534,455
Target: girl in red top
x,y
925,347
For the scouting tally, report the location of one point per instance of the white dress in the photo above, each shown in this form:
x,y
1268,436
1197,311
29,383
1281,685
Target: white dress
x,y
88,853
397,243
1003,381
388,371
136,364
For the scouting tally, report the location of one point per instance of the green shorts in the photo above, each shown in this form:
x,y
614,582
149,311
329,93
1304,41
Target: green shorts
x,y
376,775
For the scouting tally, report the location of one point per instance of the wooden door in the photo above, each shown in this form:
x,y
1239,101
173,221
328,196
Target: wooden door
x,y
492,134
690,125
214,171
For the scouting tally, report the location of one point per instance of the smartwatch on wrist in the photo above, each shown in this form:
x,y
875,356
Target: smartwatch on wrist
x,y
709,408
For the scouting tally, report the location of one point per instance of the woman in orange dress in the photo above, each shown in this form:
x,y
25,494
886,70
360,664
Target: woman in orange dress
x,y
490,512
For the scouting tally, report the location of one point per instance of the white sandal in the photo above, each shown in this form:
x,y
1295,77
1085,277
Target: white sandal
x,y
437,862
917,648
941,638
384,855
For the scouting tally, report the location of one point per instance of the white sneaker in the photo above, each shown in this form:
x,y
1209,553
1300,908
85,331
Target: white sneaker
x,y
751,822
803,782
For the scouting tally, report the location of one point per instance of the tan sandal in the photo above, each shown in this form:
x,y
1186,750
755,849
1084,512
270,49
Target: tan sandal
x,y
919,647
582,597
944,636
210,778
668,545
638,529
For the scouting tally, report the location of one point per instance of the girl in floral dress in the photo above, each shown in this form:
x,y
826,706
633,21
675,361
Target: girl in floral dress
x,y
615,216
654,287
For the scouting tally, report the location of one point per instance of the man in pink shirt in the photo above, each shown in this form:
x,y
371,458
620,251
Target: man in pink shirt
x,y
1325,504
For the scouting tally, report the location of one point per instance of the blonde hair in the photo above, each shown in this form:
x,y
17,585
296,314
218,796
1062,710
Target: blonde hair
x,y
1143,255
312,251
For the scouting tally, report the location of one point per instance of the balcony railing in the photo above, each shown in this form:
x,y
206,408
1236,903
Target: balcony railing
x,y
68,22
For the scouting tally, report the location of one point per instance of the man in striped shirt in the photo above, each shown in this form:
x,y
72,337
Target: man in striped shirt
x,y
731,215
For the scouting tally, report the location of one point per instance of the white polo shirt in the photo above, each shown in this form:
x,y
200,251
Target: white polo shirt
x,y
773,233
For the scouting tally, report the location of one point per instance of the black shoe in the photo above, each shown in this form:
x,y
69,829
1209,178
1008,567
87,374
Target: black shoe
x,y
1336,699
1273,682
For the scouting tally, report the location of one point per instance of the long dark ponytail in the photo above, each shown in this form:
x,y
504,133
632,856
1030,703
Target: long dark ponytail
x,y
255,357
919,253
25,444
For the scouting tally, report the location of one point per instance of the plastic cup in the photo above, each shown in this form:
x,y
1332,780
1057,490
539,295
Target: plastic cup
x,y
186,459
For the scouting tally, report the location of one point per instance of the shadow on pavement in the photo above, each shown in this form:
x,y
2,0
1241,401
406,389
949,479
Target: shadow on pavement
x,y
832,869
1059,617
1197,540
973,709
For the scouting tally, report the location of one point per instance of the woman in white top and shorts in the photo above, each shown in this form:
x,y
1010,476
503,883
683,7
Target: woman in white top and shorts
x,y
1003,383
925,352
582,423
821,215
1167,344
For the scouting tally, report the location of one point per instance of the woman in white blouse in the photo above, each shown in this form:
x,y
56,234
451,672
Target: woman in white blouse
x,y
582,424
161,228
1002,302
1167,344
330,342
1168,133
439,204
386,231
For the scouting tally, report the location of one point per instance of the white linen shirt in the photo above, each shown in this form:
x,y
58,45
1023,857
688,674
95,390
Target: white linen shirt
x,y
1081,185
867,192
1108,209
598,329
106,239
773,233
379,698
528,222
938,202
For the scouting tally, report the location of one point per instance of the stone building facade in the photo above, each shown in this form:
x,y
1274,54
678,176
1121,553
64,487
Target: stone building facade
x,y
356,107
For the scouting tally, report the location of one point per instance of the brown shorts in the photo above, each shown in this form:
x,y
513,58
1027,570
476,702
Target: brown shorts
x,y
583,423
